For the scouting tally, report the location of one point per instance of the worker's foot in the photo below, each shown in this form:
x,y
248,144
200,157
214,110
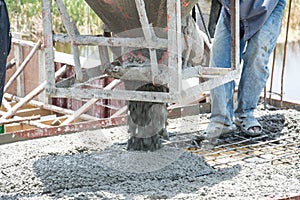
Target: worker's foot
x,y
208,138
249,125
215,130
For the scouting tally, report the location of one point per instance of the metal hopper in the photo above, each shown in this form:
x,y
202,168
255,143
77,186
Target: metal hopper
x,y
159,47
122,15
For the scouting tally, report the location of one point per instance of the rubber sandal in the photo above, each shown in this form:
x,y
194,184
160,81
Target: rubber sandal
x,y
246,123
215,130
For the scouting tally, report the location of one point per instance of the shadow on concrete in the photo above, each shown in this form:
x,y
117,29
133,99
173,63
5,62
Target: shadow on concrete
x,y
94,176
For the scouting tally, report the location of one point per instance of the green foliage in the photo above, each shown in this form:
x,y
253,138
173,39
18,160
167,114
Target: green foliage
x,y
26,17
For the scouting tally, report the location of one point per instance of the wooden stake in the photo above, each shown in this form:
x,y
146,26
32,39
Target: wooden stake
x,y
80,111
87,105
50,107
32,94
19,119
5,104
11,63
23,65
23,120
120,111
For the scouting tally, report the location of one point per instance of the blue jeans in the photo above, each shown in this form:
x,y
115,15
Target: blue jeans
x,y
255,71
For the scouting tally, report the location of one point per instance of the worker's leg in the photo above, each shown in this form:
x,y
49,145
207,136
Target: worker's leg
x,y
222,96
255,70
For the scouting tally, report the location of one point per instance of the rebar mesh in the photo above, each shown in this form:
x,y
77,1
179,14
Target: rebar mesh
x,y
238,149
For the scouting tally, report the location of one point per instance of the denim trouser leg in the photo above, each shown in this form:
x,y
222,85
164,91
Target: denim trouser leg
x,y
222,96
256,57
255,71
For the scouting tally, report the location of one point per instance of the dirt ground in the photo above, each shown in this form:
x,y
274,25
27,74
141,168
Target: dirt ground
x,y
95,165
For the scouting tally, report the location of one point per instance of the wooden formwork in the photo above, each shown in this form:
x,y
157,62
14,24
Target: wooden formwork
x,y
26,108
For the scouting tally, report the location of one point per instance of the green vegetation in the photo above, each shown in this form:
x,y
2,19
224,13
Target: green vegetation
x,y
294,27
26,17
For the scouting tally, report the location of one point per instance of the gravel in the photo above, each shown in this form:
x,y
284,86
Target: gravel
x,y
95,165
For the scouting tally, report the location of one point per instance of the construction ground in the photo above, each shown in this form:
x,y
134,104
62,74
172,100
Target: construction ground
x,y
94,164
70,147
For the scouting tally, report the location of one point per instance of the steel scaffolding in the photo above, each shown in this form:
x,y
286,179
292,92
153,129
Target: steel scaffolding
x,y
172,77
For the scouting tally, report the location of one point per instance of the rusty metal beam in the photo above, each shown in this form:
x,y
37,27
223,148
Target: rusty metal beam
x,y
60,130
297,197
285,49
174,112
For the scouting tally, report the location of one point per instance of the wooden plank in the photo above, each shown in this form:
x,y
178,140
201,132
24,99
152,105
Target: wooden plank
x,y
116,94
22,66
20,123
11,63
33,112
13,103
80,111
6,104
90,103
48,42
65,58
11,128
194,109
22,42
149,36
17,135
52,108
31,95
72,31
14,120
36,124
18,53
23,122
137,42
120,111
235,34
43,96
277,103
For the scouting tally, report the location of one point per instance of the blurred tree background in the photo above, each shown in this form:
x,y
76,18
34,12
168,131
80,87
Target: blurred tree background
x,y
26,17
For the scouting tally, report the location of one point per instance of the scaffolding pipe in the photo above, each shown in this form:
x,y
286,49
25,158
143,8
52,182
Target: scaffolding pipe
x,y
284,52
272,75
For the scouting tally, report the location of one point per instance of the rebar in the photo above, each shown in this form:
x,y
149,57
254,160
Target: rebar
x,y
239,149
285,49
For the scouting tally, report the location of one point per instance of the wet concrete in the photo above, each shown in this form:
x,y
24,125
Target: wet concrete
x,y
96,165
